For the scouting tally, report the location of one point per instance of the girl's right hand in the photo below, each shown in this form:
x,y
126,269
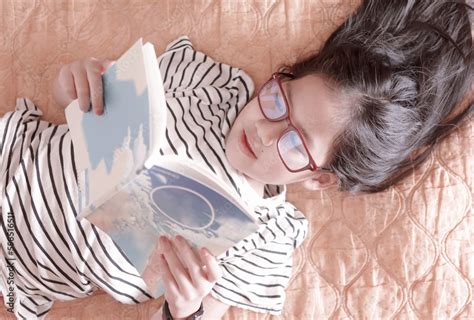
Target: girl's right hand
x,y
82,80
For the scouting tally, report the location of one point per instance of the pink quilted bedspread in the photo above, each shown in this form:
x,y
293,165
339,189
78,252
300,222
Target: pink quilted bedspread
x,y
406,253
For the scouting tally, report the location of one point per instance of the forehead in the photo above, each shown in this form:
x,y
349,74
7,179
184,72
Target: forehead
x,y
313,106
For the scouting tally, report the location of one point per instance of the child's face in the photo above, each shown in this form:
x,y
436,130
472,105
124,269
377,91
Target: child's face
x,y
312,109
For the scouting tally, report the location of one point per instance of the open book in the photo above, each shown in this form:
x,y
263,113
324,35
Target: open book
x,y
128,189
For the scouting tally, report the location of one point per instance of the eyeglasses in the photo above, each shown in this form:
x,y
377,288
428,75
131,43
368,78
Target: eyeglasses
x,y
291,146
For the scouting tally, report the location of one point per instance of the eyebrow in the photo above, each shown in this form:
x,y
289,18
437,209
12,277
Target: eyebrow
x,y
306,136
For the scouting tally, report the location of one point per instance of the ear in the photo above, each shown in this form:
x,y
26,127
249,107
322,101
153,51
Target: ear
x,y
320,182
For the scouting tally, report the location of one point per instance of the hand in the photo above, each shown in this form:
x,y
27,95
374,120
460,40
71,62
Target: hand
x,y
81,80
152,274
187,278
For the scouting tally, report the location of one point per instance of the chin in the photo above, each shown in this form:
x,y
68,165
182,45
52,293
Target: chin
x,y
257,178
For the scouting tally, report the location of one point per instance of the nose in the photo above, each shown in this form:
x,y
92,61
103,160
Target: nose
x,y
269,131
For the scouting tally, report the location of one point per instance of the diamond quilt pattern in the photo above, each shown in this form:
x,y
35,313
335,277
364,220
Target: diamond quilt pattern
x,y
406,253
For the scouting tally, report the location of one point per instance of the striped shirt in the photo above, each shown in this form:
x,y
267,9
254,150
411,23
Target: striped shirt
x,y
46,254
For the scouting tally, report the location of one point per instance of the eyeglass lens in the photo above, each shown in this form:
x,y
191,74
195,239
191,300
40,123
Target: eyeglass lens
x,y
272,100
290,145
292,150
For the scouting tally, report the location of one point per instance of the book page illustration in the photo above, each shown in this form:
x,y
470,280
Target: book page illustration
x,y
159,201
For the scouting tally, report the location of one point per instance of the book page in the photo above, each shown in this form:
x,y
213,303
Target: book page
x,y
199,173
156,95
114,145
163,202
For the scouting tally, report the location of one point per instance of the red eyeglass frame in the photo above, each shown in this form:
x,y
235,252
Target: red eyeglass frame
x,y
312,166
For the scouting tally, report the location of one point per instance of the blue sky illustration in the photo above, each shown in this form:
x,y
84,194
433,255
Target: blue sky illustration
x,y
186,207
124,113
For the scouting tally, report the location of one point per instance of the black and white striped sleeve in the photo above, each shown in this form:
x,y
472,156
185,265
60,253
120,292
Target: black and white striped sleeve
x,y
257,270
53,255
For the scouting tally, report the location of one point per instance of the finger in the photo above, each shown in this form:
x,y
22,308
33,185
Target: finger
x,y
82,88
155,254
176,267
171,287
190,260
213,270
67,82
94,78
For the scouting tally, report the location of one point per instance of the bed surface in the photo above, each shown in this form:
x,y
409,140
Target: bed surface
x,y
406,253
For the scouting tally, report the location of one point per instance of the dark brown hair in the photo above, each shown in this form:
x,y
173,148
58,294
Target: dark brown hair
x,y
402,66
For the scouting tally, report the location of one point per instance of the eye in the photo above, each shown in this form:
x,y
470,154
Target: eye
x,y
292,150
297,147
280,102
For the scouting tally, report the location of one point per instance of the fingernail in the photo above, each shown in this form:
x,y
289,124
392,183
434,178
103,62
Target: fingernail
x,y
205,252
179,239
164,241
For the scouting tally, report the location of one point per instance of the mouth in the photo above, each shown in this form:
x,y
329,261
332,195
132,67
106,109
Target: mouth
x,y
245,146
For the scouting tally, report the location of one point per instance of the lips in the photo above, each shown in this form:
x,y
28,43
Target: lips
x,y
245,146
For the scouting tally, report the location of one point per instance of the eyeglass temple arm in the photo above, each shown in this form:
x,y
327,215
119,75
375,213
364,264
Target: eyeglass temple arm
x,y
285,74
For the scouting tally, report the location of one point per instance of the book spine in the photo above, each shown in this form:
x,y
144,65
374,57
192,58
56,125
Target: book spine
x,y
87,208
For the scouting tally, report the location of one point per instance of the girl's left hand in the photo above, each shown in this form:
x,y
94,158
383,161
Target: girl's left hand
x,y
187,278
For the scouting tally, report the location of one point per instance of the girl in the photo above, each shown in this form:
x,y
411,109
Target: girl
x,y
360,113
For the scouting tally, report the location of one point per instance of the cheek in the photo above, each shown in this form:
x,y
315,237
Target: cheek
x,y
274,173
270,163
